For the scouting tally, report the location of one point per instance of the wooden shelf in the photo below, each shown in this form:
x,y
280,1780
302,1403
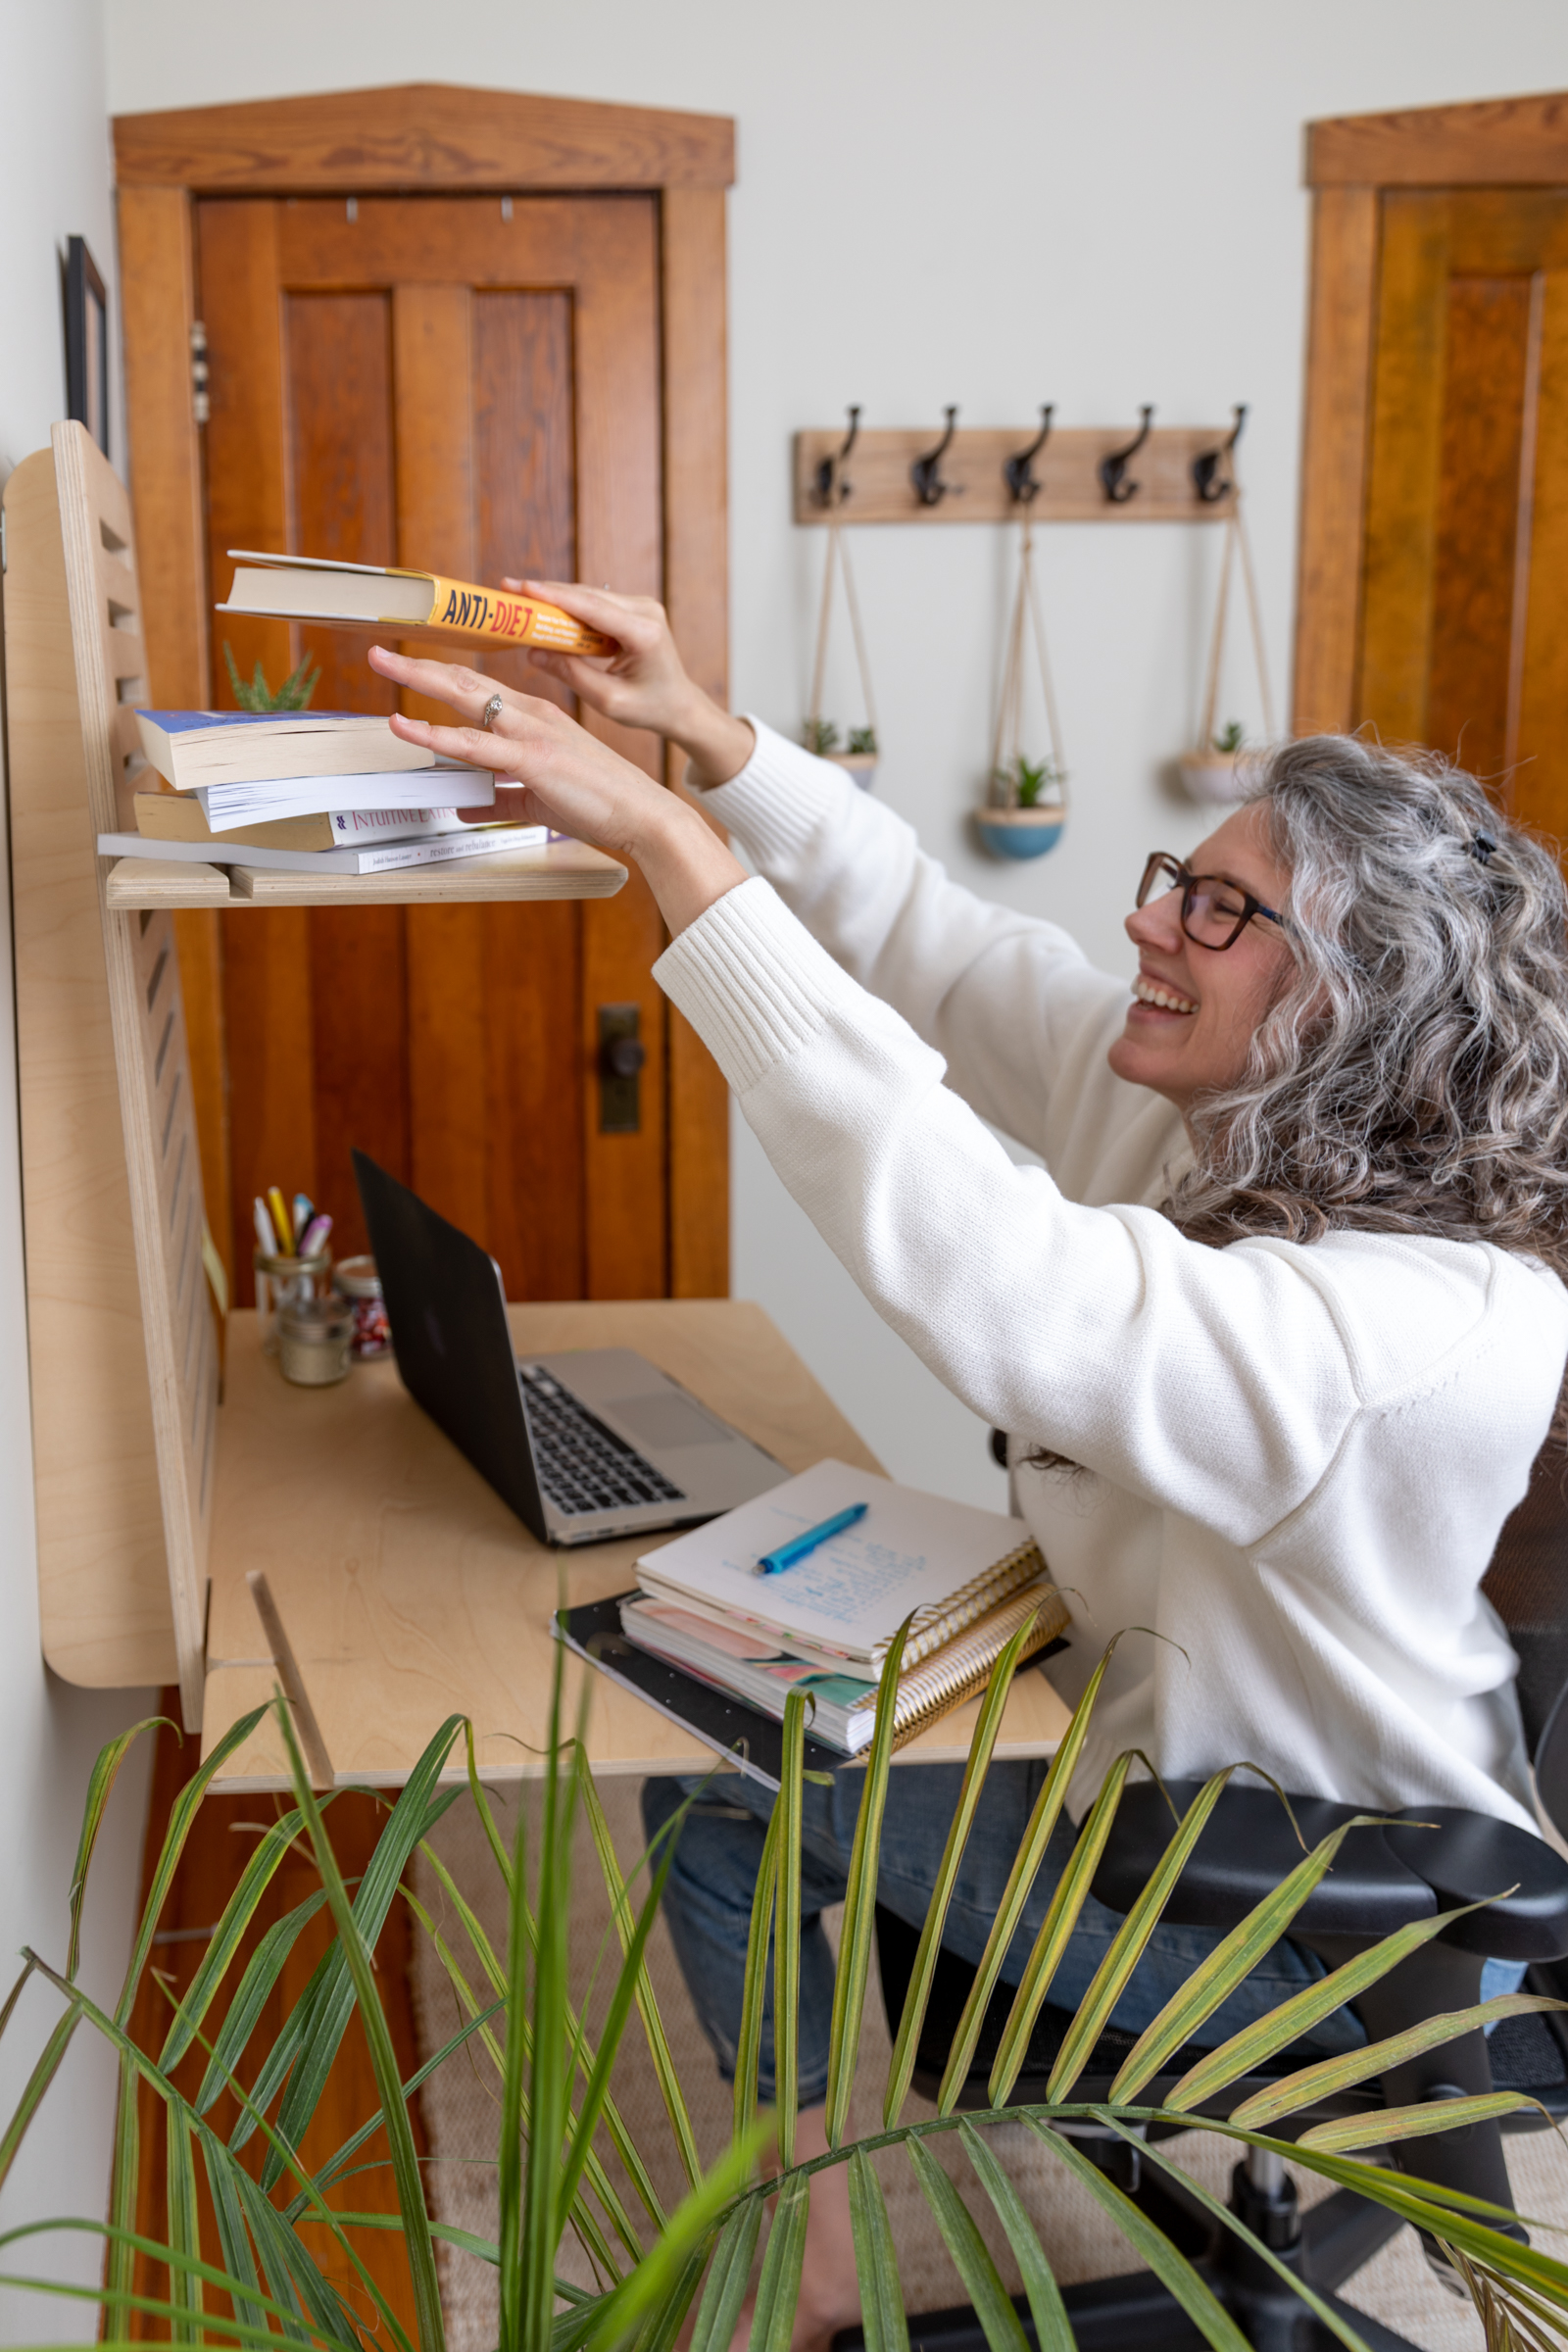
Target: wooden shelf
x,y
406,1590
562,869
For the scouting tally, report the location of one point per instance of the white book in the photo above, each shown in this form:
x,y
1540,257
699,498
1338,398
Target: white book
x,y
446,849
843,1603
263,801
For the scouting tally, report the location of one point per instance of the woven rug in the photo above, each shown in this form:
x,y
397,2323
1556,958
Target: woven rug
x,y
460,2113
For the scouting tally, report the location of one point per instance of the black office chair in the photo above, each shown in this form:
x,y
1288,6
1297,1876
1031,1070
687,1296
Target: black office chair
x,y
1381,1879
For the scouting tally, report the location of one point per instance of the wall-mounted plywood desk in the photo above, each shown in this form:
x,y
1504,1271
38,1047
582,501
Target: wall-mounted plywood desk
x,y
408,1590
397,1588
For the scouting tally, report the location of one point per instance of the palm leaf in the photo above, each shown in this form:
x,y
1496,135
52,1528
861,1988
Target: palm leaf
x,y
753,1989
1176,2274
1390,2123
1325,2312
778,2290
1470,2223
226,1936
99,1784
729,2277
876,2260
660,2275
232,2238
1247,2050
993,2307
1330,2076
1016,1894
182,1816
659,2050
184,2226
1053,2327
119,2263
267,1962
908,2040
621,1998
857,1932
418,1809
787,1929
1055,1933
597,2178
1216,1978
1131,1940
355,1945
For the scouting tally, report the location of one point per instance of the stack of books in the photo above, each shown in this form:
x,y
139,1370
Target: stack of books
x,y
713,1640
306,792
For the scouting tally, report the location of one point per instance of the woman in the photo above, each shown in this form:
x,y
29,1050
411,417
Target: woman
x,y
1278,1328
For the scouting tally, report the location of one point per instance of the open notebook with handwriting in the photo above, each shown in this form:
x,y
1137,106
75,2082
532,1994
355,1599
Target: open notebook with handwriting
x,y
713,1641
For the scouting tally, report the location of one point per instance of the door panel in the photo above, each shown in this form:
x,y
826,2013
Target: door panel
x,y
1465,564
433,383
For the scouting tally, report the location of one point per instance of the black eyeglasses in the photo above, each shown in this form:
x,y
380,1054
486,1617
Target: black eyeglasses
x,y
1214,912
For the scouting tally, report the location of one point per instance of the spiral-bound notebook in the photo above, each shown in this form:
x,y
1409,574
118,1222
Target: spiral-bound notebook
x,y
946,1563
746,1736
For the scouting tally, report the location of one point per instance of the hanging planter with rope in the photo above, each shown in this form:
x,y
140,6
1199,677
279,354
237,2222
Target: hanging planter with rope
x,y
1218,769
1028,804
859,754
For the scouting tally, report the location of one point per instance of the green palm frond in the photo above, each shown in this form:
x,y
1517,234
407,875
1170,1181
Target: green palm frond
x,y
253,2279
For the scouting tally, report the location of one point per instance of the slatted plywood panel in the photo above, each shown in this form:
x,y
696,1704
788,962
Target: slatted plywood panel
x,y
142,972
102,1568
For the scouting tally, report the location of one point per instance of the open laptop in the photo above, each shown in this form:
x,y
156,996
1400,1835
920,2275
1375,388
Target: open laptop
x,y
593,1442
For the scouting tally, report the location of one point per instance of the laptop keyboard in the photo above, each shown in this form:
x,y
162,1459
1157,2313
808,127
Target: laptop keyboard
x,y
582,1465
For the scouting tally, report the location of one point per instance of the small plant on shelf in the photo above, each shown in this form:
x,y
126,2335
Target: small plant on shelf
x,y
1028,809
1030,784
1220,771
293,695
859,755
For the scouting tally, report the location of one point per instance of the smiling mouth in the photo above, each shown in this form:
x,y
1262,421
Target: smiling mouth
x,y
1156,992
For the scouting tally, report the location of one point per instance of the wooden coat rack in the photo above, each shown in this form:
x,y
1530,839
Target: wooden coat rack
x,y
1091,474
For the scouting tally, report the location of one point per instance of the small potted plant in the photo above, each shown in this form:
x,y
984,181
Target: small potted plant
x,y
857,759
1028,809
1219,771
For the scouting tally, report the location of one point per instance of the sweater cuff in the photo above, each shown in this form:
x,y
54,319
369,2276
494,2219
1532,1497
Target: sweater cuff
x,y
781,798
752,981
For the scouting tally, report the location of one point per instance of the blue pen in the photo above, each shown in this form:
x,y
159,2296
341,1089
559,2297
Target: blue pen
x,y
785,1555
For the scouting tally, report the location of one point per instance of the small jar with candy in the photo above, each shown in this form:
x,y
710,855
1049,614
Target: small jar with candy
x,y
357,1282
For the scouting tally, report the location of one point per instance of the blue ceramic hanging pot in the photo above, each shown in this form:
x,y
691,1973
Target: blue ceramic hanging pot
x,y
1020,832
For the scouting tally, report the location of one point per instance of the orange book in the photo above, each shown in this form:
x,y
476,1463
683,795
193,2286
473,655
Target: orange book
x,y
406,603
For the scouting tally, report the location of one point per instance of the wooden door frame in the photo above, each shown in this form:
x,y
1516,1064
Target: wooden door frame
x,y
438,139
1351,161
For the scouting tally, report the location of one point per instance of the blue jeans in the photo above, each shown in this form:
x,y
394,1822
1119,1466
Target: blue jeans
x,y
708,1902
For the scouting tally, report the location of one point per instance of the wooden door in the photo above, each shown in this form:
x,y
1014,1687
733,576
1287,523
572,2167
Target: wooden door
x,y
472,384
1465,579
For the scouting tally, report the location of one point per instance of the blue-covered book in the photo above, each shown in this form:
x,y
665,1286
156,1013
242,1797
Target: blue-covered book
x,y
189,748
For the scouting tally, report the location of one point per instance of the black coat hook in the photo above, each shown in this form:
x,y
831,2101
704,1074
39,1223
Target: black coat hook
x,y
831,487
1212,478
1113,468
926,473
1019,472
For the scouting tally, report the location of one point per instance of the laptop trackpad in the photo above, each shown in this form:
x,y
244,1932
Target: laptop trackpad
x,y
663,1418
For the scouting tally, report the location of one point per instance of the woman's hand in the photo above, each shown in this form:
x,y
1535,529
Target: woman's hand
x,y
645,683
563,776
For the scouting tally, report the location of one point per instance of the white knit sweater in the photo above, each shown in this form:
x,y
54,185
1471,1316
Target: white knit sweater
x,y
1301,1456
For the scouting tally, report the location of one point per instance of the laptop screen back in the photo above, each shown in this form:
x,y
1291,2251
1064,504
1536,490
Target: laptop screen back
x,y
448,1313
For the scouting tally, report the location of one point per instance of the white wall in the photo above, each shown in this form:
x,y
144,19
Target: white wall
x,y
54,181
999,204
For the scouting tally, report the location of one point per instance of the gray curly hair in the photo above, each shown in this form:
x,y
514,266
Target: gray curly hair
x,y
1411,1075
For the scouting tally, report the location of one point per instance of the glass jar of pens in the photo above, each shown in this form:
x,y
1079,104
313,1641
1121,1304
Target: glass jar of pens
x,y
293,1263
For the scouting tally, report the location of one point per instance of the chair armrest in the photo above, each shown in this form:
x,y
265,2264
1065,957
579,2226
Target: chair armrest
x,y
1381,1879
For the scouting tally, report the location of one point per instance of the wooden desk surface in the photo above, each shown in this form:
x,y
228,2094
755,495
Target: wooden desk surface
x,y
408,1590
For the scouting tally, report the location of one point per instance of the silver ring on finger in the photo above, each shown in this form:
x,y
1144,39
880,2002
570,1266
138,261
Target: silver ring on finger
x,y
491,713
